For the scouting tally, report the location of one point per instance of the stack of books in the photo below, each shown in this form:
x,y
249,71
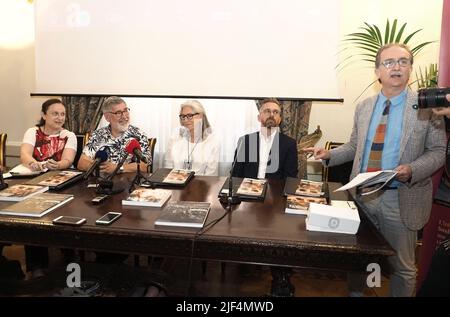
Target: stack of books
x,y
301,192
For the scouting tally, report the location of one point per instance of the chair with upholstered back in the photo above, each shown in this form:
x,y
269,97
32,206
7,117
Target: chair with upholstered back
x,y
3,137
151,146
82,139
338,173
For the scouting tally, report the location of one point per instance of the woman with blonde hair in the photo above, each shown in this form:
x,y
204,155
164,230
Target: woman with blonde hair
x,y
193,146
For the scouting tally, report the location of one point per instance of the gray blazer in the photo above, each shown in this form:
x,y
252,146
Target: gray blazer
x,y
422,146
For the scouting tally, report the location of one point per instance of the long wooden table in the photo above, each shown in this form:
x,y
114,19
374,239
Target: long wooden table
x,y
253,232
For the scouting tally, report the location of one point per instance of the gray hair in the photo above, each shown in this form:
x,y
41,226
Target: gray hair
x,y
197,107
385,47
110,102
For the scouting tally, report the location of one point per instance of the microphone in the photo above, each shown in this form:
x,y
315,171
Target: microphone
x,y
106,185
100,157
230,199
118,166
133,147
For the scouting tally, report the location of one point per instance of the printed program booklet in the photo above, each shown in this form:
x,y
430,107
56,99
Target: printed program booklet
x,y
142,196
37,206
370,182
184,214
20,192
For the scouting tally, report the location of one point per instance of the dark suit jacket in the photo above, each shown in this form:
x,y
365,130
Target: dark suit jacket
x,y
279,166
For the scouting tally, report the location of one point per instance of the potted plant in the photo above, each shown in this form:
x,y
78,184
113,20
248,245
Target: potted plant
x,y
370,39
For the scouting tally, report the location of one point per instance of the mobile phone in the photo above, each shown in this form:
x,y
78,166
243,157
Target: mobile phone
x,y
108,218
99,199
67,220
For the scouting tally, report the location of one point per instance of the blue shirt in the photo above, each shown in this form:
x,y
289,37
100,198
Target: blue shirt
x,y
391,149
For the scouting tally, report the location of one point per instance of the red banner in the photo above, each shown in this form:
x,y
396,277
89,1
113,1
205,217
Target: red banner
x,y
438,227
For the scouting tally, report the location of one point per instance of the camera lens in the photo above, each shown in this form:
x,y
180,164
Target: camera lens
x,y
433,97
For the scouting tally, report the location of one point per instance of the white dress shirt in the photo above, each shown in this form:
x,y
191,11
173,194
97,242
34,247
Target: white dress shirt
x,y
265,144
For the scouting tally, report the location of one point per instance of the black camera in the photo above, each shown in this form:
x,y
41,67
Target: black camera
x,y
433,97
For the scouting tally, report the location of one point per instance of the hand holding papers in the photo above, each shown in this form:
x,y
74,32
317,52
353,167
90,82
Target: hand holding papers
x,y
376,180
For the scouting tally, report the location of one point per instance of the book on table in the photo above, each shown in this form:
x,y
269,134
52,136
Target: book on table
x,y
37,206
299,205
20,192
57,180
245,188
184,214
143,196
300,193
170,177
304,187
370,182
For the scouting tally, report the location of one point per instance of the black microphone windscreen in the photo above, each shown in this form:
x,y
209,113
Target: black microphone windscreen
x,y
102,155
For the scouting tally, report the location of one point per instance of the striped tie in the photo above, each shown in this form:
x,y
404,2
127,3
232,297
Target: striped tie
x,y
376,150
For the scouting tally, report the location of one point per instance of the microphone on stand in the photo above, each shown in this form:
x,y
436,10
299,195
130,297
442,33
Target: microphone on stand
x,y
231,199
105,185
133,147
100,157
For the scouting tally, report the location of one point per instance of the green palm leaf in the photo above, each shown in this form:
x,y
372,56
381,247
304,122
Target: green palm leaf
x,y
368,40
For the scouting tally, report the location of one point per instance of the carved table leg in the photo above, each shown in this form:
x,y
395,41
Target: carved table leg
x,y
281,284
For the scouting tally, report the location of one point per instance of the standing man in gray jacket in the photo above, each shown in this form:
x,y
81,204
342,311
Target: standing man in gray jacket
x,y
390,132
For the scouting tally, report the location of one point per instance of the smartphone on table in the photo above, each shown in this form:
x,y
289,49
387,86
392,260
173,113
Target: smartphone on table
x,y
108,218
67,220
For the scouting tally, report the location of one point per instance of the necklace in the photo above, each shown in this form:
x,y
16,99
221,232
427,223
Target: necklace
x,y
188,162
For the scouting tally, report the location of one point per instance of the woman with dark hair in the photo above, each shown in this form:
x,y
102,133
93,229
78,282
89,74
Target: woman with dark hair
x,y
48,144
193,146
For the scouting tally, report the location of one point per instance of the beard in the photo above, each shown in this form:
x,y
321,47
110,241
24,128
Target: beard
x,y
270,123
122,127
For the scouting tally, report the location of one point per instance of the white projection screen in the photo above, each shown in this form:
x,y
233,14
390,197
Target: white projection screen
x,y
225,48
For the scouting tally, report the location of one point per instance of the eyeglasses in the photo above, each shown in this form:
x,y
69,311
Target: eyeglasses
x,y
120,112
269,112
402,62
188,116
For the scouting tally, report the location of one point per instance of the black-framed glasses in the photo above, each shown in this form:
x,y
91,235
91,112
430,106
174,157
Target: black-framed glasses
x,y
119,113
188,116
390,63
